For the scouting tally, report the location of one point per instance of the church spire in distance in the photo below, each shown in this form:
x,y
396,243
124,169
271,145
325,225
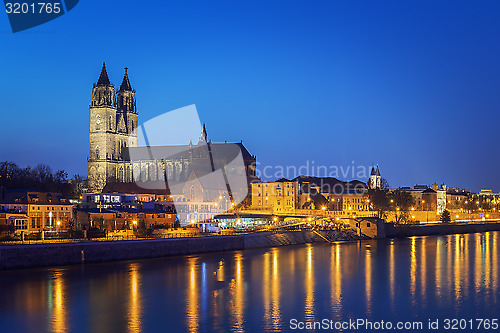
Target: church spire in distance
x,y
203,136
102,93
103,78
125,86
126,95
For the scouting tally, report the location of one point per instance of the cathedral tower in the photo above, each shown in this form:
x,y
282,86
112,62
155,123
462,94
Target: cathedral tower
x,y
127,110
112,124
375,181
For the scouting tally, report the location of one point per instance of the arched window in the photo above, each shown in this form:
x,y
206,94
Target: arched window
x,y
192,192
136,173
120,175
97,152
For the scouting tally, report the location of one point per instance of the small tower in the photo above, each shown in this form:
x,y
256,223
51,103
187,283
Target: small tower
x,y
375,181
127,111
203,136
102,129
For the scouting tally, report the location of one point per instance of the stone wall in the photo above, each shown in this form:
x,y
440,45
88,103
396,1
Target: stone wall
x,y
38,255
438,229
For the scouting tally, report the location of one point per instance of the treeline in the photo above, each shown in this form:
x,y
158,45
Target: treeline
x,y
40,178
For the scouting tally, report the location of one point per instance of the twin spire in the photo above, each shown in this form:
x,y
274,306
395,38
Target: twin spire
x,y
103,93
104,79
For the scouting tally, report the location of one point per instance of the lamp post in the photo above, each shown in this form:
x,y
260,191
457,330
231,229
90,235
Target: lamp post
x,y
426,210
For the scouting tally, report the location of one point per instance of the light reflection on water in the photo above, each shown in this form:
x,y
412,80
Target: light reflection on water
x,y
454,276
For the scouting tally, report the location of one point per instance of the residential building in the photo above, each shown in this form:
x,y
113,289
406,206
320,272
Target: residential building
x,y
46,211
280,196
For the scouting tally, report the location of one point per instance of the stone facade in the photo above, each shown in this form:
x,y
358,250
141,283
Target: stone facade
x,y
113,123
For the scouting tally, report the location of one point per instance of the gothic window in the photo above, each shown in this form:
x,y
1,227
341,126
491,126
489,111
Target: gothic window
x,y
120,175
97,152
192,192
98,123
144,173
137,173
110,123
152,172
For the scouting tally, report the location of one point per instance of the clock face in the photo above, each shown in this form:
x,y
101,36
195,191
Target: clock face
x,y
98,121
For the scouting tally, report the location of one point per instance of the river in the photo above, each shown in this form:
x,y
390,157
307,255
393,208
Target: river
x,y
413,279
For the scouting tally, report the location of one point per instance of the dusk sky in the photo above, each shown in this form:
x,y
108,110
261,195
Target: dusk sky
x,y
413,86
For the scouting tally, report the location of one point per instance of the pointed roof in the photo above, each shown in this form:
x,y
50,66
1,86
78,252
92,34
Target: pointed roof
x,y
204,132
378,171
125,86
373,173
103,78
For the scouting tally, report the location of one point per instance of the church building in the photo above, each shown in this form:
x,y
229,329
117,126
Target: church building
x,y
113,123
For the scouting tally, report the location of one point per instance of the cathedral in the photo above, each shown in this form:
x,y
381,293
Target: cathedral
x,y
113,139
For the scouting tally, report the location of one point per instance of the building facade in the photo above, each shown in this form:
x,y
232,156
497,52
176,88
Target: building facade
x,y
279,196
45,211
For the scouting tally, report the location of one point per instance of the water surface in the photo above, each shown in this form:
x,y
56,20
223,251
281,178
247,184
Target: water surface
x,y
418,278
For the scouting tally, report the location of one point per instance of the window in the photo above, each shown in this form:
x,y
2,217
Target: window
x,y
368,224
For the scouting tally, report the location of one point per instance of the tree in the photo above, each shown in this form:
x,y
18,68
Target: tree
x,y
39,178
379,200
401,203
445,216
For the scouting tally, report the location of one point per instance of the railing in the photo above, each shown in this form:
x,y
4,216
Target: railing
x,y
122,237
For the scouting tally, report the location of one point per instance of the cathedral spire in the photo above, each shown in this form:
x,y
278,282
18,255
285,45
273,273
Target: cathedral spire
x,y
103,78
126,95
203,136
125,86
102,93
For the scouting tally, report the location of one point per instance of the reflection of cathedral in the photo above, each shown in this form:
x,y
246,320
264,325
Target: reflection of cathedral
x,y
113,120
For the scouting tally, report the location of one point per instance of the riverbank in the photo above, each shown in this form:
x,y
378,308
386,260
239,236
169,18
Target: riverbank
x,y
395,231
40,255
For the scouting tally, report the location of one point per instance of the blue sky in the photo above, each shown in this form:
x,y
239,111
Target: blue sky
x,y
411,85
